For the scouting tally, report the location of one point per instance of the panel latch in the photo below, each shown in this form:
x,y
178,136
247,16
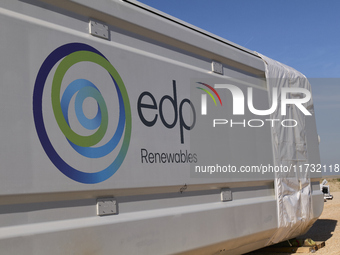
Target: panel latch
x,y
106,206
99,29
226,195
217,67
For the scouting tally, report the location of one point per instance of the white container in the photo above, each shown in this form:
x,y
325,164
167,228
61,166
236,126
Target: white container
x,y
131,188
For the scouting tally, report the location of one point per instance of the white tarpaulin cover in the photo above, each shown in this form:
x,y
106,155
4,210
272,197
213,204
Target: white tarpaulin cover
x,y
293,189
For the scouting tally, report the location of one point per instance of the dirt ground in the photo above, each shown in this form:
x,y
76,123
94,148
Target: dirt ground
x,y
327,227
334,184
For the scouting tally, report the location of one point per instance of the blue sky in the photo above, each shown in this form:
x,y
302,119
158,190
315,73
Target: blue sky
x,y
303,34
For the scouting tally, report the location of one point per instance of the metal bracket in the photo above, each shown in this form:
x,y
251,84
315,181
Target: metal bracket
x,y
217,67
106,206
98,29
226,195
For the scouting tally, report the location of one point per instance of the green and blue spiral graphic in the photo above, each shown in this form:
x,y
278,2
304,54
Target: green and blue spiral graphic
x,y
80,89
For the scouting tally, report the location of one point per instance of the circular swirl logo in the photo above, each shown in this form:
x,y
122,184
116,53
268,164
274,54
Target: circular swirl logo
x,y
73,96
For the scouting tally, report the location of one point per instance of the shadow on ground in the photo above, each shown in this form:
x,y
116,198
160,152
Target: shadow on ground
x,y
321,230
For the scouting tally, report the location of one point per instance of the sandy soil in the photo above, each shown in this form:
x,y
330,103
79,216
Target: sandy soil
x,y
334,184
327,227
